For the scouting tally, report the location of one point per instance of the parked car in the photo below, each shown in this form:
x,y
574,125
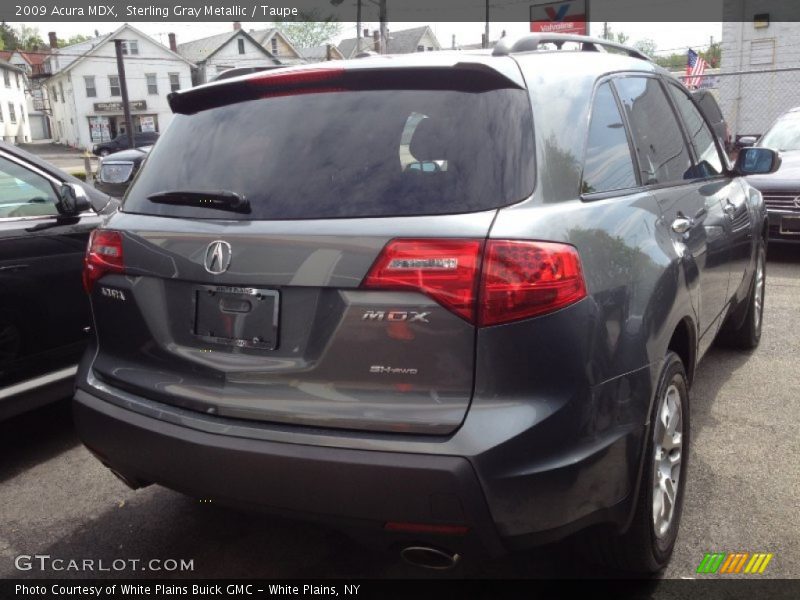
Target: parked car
x,y
118,170
485,354
45,220
781,190
708,104
147,138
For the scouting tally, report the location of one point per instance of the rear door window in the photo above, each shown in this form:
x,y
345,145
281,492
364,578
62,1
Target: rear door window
x,y
362,153
660,147
608,165
709,162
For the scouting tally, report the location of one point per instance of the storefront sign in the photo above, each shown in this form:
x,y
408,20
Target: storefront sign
x,y
147,123
117,106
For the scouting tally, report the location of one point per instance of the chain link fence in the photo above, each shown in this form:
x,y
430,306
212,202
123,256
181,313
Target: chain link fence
x,y
752,100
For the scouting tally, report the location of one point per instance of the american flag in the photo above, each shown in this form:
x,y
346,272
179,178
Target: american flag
x,y
695,67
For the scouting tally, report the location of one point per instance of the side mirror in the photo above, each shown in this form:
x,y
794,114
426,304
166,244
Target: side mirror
x,y
757,161
746,141
72,200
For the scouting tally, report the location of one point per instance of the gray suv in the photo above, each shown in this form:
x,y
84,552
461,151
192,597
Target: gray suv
x,y
454,300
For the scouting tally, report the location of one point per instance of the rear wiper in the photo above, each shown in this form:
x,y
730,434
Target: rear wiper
x,y
218,200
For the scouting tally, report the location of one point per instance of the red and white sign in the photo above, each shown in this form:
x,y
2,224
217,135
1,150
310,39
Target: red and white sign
x,y
560,17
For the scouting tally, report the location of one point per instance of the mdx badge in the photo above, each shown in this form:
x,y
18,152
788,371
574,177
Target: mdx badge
x,y
396,316
218,257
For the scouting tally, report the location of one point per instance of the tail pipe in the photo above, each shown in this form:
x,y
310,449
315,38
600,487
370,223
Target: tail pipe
x,y
430,558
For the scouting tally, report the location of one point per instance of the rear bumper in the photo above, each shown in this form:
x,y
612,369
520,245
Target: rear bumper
x,y
364,489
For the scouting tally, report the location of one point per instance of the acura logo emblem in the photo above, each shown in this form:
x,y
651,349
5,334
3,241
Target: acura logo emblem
x,y
218,257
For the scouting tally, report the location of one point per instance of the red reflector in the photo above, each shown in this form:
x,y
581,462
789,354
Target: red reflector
x,y
524,279
103,255
426,528
445,270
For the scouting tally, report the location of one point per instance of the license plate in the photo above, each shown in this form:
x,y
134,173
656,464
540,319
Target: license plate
x,y
235,316
790,225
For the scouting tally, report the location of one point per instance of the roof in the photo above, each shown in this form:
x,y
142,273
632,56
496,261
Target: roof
x,y
4,64
69,56
404,41
199,50
319,53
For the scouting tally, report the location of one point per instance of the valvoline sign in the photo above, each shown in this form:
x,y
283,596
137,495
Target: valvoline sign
x,y
560,17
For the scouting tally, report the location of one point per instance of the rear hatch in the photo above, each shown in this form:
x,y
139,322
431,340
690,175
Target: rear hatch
x,y
269,259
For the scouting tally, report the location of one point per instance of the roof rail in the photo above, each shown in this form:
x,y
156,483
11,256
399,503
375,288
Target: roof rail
x,y
531,42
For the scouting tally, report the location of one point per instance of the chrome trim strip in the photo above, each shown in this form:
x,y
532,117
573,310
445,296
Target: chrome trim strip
x,y
37,382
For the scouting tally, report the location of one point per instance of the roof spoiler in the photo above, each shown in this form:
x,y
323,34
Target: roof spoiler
x,y
532,42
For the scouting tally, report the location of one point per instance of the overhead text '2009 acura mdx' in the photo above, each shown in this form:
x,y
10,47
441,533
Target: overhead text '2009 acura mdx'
x,y
456,299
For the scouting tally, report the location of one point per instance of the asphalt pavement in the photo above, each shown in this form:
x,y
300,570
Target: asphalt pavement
x,y
56,499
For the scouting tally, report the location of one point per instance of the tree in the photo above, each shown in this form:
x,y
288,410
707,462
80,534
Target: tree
x,y
307,29
28,38
609,35
647,46
8,37
713,54
75,39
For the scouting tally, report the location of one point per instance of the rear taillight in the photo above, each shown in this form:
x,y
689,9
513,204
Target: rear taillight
x,y
516,280
525,279
103,255
445,270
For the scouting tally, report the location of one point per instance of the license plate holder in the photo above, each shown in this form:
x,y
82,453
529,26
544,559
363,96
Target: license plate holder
x,y
237,316
790,225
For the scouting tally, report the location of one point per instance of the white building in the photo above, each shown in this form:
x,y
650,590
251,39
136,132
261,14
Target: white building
x,y
237,48
760,74
36,101
14,122
84,89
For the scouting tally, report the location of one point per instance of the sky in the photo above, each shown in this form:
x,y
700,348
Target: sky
x,y
667,36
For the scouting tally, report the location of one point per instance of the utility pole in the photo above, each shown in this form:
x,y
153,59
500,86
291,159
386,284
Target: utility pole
x,y
358,26
384,33
123,87
486,33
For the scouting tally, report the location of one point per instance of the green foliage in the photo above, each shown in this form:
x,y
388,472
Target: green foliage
x,y
8,37
647,46
620,37
79,174
75,39
307,29
28,38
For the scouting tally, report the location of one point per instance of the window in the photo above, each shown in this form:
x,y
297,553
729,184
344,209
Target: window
x,y
274,42
663,156
55,93
25,193
16,80
1,113
6,78
152,85
420,48
240,41
130,47
419,158
608,164
21,114
12,113
430,48
174,82
113,82
61,91
709,163
91,90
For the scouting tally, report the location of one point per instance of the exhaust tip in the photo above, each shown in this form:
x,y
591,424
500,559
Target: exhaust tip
x,y
430,558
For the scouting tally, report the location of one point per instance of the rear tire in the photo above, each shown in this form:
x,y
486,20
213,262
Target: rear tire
x,y
748,335
647,545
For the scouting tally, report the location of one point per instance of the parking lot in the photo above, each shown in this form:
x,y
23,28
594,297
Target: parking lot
x,y
57,499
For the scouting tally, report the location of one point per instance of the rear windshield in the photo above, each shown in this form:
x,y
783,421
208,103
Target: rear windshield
x,y
347,154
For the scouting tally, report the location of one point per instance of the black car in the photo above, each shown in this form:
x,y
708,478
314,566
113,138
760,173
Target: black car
x,y
454,301
708,104
45,220
118,170
781,190
121,142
